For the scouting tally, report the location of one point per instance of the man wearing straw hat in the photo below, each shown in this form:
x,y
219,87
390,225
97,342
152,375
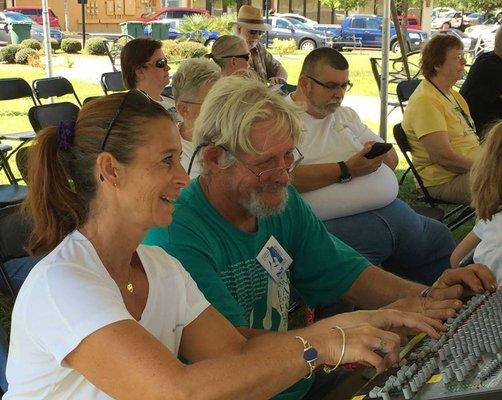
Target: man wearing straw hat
x,y
250,27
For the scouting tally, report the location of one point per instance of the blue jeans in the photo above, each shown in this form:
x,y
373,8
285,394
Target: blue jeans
x,y
398,239
4,347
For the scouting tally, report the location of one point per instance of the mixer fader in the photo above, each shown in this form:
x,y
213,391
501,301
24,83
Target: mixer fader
x,y
465,363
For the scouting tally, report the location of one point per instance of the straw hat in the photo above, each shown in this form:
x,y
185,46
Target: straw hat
x,y
250,17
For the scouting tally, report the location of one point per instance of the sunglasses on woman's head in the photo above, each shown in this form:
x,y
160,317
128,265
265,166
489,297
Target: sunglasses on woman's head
x,y
160,63
134,98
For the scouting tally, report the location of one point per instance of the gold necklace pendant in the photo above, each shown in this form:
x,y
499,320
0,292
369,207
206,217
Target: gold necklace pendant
x,y
130,287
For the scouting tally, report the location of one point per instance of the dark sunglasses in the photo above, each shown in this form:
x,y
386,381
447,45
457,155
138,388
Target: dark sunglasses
x,y
255,32
332,86
160,63
133,98
243,56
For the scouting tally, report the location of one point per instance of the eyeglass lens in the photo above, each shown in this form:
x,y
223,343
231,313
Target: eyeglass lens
x,y
161,62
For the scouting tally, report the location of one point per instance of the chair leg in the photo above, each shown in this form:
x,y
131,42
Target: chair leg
x,y
6,167
401,181
464,216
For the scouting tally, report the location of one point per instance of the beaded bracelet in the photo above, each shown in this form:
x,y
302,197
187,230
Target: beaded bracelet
x,y
327,369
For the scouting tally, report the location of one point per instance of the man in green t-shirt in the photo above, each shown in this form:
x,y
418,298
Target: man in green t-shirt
x,y
245,235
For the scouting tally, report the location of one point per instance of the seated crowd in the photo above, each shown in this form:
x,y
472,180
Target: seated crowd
x,y
169,242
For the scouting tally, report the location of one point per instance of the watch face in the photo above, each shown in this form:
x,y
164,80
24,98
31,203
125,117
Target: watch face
x,y
310,354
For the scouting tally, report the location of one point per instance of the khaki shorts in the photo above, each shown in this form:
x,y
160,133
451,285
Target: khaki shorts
x,y
456,191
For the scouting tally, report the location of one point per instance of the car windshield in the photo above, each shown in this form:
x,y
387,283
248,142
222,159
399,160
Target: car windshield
x,y
297,24
18,17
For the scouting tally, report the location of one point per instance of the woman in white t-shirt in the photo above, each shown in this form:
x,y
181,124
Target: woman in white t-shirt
x,y
144,67
486,195
102,316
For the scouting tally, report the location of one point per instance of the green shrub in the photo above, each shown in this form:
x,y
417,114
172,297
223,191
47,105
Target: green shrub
x,y
95,46
282,47
31,44
222,24
8,53
23,54
71,46
55,45
193,49
172,50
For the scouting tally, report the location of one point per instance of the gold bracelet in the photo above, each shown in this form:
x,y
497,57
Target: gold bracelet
x,y
327,369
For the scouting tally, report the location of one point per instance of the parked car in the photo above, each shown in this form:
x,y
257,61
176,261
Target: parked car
x,y
35,13
413,22
441,11
367,30
450,20
309,22
203,36
169,13
476,30
305,37
468,42
37,30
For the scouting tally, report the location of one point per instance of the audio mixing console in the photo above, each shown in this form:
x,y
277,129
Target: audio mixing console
x,y
465,363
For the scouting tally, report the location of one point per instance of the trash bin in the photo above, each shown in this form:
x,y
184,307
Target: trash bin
x,y
20,31
133,28
160,30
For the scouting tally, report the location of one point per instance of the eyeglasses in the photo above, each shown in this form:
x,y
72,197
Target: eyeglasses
x,y
293,159
243,56
133,98
191,102
255,32
332,86
160,63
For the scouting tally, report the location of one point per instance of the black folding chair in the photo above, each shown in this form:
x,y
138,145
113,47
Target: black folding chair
x,y
52,114
112,82
13,89
11,193
404,90
53,87
14,234
454,218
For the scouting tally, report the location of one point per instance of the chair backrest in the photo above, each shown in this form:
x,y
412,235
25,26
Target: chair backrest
x,y
53,87
52,114
404,146
112,82
15,88
405,89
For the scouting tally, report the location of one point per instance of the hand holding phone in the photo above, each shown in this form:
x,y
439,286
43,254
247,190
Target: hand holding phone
x,y
378,149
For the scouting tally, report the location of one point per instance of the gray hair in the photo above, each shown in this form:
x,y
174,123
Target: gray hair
x,y
232,106
224,46
191,75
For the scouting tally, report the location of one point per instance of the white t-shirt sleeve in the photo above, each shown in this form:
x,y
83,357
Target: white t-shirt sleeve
x,y
360,131
68,305
489,250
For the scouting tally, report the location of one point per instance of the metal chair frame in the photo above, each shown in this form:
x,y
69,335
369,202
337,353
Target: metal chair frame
x,y
53,87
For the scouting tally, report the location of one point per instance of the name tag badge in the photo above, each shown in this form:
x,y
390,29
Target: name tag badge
x,y
274,259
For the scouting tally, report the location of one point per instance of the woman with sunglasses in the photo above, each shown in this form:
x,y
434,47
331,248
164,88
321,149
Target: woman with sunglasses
x,y
438,124
231,53
103,316
144,67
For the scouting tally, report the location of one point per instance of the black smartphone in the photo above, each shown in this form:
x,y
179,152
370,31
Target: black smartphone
x,y
378,149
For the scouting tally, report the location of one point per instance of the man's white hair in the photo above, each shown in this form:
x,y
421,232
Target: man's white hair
x,y
233,105
191,75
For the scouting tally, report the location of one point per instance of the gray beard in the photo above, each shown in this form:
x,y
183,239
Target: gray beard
x,y
259,209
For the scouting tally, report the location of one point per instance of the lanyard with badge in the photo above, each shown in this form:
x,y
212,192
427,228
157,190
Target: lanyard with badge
x,y
468,120
274,259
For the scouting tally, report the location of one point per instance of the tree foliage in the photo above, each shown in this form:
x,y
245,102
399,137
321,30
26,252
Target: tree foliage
x,y
471,5
343,4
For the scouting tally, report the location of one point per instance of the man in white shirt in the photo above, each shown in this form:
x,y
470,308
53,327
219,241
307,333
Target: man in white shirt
x,y
356,197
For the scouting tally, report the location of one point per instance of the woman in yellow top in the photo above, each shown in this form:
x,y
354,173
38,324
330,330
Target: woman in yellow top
x,y
438,124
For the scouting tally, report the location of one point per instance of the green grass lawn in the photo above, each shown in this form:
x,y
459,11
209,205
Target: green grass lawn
x,y
14,116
